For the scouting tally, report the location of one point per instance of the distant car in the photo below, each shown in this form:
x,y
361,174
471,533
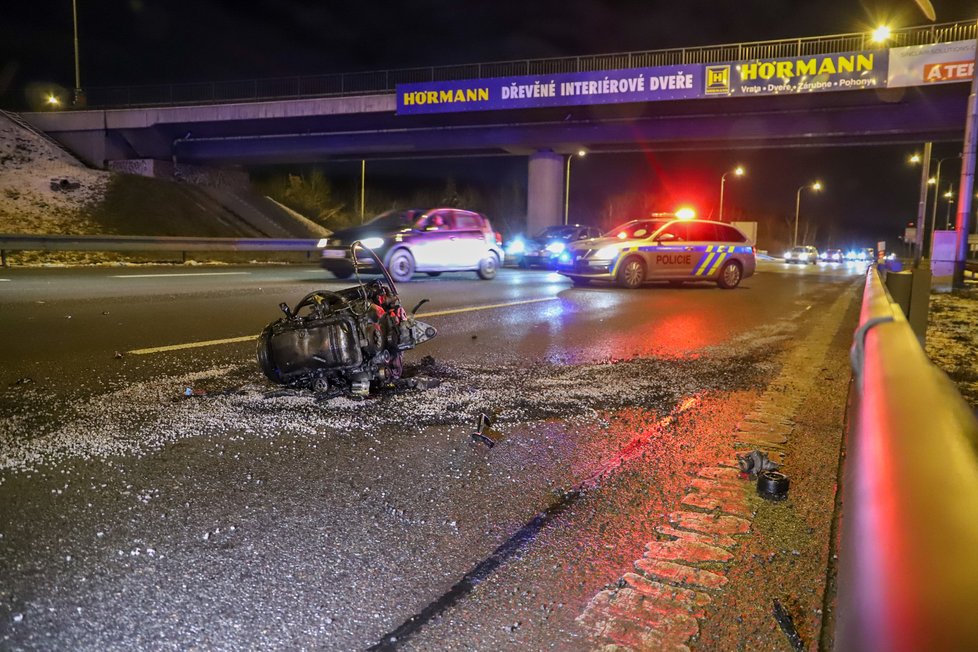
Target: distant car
x,y
673,250
804,254
861,255
832,256
408,241
544,248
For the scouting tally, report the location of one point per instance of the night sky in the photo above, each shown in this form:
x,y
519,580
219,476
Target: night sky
x,y
870,191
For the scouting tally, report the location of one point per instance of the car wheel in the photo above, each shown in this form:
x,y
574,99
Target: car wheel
x,y
730,275
631,273
580,282
401,265
488,267
434,274
342,274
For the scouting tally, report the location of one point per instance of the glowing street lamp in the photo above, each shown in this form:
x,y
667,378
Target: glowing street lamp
x,y
882,34
52,101
914,158
737,171
581,153
815,187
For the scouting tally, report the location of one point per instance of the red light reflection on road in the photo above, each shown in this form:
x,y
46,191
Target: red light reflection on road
x,y
679,335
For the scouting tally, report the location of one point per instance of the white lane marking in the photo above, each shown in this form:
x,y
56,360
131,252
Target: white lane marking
x,y
454,311
184,274
251,338
192,345
4,279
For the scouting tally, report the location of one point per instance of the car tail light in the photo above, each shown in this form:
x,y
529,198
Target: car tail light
x,y
499,238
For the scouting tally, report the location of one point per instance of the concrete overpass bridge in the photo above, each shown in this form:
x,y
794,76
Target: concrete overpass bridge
x,y
752,95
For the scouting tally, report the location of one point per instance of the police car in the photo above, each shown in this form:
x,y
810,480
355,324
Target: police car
x,y
662,249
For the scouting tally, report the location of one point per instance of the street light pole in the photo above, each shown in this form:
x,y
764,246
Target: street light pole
x,y
949,195
739,171
815,186
570,157
937,187
78,90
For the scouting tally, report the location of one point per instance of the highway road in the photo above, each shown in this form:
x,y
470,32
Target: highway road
x,y
134,517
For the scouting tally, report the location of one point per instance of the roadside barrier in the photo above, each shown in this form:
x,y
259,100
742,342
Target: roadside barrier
x,y
146,243
908,570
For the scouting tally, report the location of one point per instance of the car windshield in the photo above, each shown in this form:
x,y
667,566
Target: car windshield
x,y
636,229
557,233
394,219
800,250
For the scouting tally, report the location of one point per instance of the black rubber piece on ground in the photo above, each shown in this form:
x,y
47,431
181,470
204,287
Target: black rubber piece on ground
x,y
787,625
772,485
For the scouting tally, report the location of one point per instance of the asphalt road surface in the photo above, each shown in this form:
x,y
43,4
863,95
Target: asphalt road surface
x,y
135,517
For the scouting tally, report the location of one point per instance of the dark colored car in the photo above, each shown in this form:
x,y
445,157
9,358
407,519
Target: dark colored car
x,y
408,241
832,256
545,248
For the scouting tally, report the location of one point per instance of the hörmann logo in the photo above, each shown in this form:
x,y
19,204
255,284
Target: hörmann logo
x,y
450,96
718,80
810,67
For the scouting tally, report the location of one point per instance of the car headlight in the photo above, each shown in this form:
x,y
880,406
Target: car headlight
x,y
322,243
787,254
517,246
606,253
556,248
372,243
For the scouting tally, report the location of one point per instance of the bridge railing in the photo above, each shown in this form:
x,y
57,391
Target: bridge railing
x,y
385,81
907,575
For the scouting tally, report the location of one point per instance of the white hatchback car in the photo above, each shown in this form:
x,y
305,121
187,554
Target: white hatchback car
x,y
805,254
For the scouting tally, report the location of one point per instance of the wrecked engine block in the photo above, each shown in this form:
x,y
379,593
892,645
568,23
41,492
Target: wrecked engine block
x,y
341,341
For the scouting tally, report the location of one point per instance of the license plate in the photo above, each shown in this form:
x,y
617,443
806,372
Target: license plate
x,y
334,253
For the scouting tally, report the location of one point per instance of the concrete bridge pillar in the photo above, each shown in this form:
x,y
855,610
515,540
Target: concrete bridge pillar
x,y
545,191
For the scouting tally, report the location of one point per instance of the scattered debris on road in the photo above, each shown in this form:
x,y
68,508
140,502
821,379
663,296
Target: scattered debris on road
x,y
755,462
787,625
772,485
484,434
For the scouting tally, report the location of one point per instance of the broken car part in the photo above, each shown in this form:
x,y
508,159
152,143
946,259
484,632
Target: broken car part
x,y
772,485
343,340
755,462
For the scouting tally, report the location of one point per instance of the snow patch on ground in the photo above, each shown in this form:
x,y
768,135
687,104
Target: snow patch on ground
x,y
28,203
952,339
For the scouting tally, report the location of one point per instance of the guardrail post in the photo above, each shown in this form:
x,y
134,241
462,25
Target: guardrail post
x,y
920,302
3,258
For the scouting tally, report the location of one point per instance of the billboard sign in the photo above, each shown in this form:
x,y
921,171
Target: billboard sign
x,y
921,65
563,89
791,75
866,69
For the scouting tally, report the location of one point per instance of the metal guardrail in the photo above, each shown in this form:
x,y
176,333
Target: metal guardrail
x,y
10,242
908,578
385,81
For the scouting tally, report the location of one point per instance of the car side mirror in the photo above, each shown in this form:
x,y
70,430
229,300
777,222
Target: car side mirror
x,y
666,237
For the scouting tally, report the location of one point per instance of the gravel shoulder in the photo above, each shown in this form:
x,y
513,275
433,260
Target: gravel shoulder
x,y
952,339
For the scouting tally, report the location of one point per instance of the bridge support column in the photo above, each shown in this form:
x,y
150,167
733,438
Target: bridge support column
x,y
545,189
